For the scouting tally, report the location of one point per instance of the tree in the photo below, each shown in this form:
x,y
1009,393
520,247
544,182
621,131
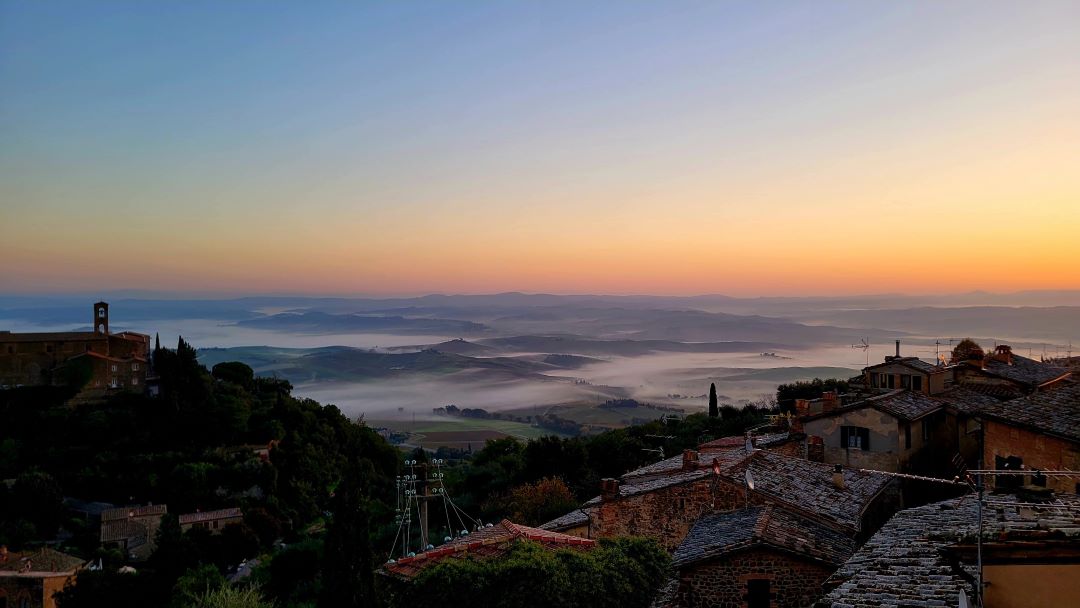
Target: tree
x,y
714,406
532,504
618,573
231,597
967,349
37,498
195,584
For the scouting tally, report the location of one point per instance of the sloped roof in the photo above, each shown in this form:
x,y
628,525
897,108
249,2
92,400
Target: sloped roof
x,y
912,362
572,519
485,542
44,560
808,486
966,400
721,533
900,403
123,529
904,563
1029,372
1055,411
190,518
133,511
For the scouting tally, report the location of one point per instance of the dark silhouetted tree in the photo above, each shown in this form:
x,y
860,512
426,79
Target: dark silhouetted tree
x,y
714,406
965,350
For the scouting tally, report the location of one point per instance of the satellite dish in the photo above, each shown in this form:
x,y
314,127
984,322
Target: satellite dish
x,y
749,445
749,479
964,603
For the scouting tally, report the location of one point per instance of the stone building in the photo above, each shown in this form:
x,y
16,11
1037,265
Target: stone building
x,y
214,521
30,579
1010,373
759,556
132,529
926,556
98,361
1033,433
694,505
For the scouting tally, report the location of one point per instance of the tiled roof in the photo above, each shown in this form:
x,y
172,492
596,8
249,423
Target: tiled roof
x,y
904,565
123,529
572,519
808,486
914,363
721,533
485,542
966,400
190,518
1029,372
900,403
134,511
1055,411
905,405
633,487
44,560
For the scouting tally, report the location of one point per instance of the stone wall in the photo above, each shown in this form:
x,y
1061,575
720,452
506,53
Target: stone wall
x,y
665,515
722,582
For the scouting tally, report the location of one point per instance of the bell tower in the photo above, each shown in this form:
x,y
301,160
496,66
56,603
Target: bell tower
x,y
101,318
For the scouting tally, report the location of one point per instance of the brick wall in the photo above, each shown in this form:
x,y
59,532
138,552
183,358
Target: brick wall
x,y
1037,450
722,582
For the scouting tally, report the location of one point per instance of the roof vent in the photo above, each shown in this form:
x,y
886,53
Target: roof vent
x,y
838,477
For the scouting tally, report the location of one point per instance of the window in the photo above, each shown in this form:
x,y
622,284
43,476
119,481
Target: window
x,y
757,593
905,381
134,367
114,368
854,438
134,381
907,435
1010,463
873,380
100,313
916,383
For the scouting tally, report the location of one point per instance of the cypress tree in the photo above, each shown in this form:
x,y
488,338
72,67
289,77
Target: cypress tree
x,y
714,407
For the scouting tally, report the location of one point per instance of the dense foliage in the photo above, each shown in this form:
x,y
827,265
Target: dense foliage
x,y
621,573
786,394
316,490
495,482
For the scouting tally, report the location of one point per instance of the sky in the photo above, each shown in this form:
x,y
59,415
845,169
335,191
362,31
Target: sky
x,y
399,148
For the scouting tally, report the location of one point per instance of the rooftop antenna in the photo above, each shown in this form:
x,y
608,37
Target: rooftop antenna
x,y
864,345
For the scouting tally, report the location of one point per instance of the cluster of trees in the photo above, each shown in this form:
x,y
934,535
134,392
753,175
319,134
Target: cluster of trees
x,y
786,394
527,479
621,573
318,512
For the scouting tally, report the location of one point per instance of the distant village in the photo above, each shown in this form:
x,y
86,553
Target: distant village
x,y
953,483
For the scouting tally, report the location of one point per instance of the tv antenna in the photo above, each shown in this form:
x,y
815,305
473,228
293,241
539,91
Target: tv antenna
x,y
864,345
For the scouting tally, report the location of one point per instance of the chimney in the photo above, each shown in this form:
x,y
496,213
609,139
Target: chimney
x,y
829,401
689,459
897,349
1003,353
609,488
802,407
838,477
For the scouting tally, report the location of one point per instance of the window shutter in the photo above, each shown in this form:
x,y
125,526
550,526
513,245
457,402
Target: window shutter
x,y
844,437
864,435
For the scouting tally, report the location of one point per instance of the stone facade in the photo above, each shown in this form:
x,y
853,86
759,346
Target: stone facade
x,y
97,360
666,514
724,582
